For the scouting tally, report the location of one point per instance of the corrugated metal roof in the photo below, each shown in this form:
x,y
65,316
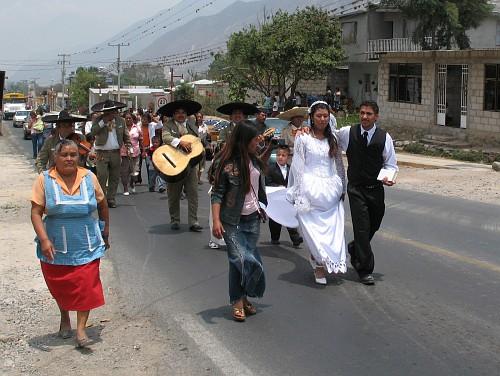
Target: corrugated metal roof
x,y
138,90
342,8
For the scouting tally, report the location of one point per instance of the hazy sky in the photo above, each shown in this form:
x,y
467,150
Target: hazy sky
x,y
37,29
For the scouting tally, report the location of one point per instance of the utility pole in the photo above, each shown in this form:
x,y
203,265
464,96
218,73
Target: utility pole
x,y
172,83
119,45
33,93
63,62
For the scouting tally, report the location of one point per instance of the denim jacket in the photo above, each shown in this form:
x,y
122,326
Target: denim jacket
x,y
229,192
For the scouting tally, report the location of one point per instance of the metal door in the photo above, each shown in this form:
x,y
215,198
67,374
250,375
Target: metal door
x,y
463,99
441,93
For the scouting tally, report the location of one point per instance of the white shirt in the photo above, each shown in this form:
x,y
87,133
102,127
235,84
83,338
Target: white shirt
x,y
388,154
112,141
284,170
176,141
152,127
88,127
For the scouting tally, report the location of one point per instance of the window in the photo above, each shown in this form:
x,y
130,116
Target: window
x,y
498,34
405,83
349,32
492,87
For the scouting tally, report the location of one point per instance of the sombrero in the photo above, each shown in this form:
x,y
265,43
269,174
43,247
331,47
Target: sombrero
x,y
107,105
246,108
191,107
63,117
293,112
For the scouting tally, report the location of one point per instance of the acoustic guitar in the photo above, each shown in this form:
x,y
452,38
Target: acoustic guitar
x,y
172,163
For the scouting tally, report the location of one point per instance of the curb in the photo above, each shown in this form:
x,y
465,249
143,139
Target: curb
x,y
422,165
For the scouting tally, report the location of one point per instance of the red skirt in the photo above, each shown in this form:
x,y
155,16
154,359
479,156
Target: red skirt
x,y
75,288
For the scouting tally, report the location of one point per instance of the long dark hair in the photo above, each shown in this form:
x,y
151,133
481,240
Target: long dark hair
x,y
332,140
237,148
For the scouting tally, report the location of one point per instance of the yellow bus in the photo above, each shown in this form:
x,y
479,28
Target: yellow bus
x,y
13,102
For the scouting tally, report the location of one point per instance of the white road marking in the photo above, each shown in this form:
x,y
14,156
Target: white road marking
x,y
224,359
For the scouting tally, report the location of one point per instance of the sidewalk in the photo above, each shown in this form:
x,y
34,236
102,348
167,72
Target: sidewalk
x,y
422,161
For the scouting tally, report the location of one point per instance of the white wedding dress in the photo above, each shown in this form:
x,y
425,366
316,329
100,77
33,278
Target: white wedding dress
x,y
315,186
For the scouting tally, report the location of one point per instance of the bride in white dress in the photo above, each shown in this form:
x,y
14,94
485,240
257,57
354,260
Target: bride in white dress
x,y
317,186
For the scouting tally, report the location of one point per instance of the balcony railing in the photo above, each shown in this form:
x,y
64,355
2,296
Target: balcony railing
x,y
377,46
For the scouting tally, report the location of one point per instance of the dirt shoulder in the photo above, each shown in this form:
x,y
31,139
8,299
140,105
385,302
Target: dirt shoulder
x,y
468,182
29,317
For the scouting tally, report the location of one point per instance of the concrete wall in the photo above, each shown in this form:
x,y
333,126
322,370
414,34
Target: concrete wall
x,y
314,87
485,35
481,125
357,72
409,120
356,52
412,120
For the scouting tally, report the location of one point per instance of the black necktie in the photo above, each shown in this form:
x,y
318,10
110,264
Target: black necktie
x,y
365,138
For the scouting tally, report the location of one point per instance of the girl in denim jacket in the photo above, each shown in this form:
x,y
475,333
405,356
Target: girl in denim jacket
x,y
238,187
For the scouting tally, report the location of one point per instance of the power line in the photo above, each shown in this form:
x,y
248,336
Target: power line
x,y
119,45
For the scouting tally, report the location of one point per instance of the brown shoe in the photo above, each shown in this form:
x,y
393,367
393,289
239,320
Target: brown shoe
x,y
239,314
249,309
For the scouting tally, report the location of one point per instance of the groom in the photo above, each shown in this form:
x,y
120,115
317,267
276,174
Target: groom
x,y
368,150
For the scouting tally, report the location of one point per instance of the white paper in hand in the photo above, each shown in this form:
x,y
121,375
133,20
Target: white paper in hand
x,y
387,173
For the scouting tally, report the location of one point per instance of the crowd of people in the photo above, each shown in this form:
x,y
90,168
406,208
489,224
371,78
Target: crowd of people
x,y
303,189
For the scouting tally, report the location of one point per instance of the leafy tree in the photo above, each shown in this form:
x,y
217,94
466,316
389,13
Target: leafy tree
x,y
280,52
84,79
184,91
445,22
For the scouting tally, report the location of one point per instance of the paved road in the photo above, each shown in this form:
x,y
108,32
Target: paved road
x,y
435,309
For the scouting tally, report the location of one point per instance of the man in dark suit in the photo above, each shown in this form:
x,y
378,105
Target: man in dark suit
x,y
177,126
277,176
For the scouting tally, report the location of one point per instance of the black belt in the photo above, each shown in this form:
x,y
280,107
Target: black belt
x,y
249,217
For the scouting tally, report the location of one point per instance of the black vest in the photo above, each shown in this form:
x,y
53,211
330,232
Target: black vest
x,y
365,162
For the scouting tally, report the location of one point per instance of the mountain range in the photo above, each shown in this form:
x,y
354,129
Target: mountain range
x,y
190,25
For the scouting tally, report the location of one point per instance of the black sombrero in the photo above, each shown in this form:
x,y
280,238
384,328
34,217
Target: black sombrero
x,y
107,105
63,117
191,107
246,108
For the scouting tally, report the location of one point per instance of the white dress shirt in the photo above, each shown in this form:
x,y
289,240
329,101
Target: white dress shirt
x,y
182,130
112,141
284,170
388,154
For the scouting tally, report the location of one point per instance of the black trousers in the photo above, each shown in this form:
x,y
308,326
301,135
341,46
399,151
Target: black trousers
x,y
367,210
275,229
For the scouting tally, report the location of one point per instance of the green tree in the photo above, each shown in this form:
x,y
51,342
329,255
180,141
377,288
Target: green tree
x,y
184,91
440,24
280,52
84,79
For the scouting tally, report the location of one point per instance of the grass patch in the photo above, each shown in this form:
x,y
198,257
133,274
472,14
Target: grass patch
x,y
457,154
351,119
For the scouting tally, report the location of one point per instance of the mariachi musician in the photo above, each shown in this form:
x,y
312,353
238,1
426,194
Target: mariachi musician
x,y
65,127
296,117
177,126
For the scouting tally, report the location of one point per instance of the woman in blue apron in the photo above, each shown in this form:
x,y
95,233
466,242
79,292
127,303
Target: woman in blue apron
x,y
70,239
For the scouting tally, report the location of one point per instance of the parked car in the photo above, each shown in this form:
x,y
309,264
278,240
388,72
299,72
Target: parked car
x,y
19,118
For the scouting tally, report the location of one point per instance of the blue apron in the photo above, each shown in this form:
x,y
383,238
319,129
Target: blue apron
x,y
70,224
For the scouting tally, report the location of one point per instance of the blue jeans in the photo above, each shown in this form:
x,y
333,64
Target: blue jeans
x,y
154,179
37,141
246,272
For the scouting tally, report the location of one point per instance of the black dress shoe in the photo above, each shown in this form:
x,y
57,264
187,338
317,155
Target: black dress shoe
x,y
196,228
111,204
275,242
367,279
175,226
298,241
